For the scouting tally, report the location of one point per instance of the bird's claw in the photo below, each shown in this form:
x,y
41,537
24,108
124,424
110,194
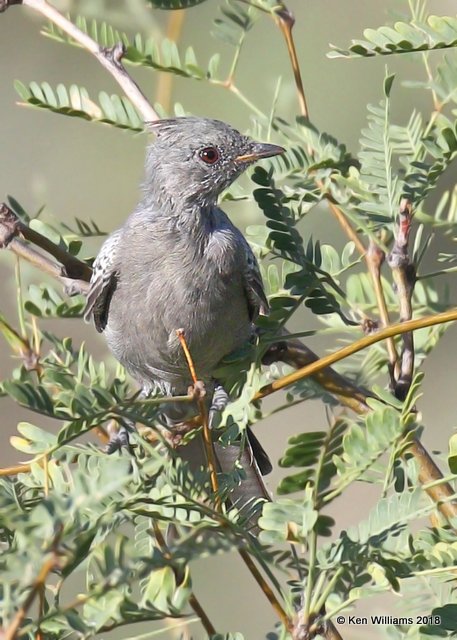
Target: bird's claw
x,y
197,390
175,437
119,440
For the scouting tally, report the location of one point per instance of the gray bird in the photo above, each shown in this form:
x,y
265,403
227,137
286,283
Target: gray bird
x,y
179,263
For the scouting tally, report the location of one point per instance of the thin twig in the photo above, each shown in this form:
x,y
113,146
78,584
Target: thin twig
x,y
48,565
404,276
166,80
296,354
393,330
14,471
344,223
215,486
265,588
193,601
210,455
285,20
109,58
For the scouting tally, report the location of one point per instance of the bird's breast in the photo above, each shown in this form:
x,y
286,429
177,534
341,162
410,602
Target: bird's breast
x,y
171,284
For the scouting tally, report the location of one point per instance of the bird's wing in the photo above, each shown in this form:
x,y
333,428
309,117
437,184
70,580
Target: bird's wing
x,y
103,282
257,300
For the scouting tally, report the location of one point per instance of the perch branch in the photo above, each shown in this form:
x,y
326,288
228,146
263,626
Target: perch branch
x,y
207,439
109,58
398,328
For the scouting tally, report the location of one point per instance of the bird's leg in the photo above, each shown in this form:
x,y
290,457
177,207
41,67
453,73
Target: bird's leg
x,y
119,437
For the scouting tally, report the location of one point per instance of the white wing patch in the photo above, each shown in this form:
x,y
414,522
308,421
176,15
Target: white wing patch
x,y
102,282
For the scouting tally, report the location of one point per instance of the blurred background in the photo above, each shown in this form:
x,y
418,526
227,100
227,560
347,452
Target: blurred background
x,y
90,171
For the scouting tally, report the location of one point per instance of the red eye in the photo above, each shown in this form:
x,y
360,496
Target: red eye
x,y
210,155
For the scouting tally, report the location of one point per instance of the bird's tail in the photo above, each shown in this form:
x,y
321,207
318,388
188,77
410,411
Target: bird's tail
x,y
250,492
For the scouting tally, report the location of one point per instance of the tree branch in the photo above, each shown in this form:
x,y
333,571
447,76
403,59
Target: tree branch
x,y
72,273
285,20
440,492
393,330
109,58
296,354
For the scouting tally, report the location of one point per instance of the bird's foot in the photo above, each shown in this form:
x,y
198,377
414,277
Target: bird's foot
x,y
119,439
197,390
175,436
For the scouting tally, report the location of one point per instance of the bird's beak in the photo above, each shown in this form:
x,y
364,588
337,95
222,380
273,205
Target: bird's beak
x,y
260,150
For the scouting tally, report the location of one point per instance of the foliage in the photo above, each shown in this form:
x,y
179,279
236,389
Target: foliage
x,y
135,523
435,32
75,102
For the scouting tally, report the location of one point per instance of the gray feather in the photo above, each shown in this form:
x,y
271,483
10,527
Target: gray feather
x,y
179,263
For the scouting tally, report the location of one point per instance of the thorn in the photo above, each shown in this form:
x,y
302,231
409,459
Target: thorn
x,y
115,53
369,326
286,16
4,4
9,222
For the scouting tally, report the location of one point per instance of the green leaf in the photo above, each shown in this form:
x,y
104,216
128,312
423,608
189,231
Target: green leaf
x,y
75,102
388,517
174,4
436,33
162,55
313,451
388,82
364,442
288,520
452,457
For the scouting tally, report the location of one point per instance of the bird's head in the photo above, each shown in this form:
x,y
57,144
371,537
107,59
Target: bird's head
x,y
193,159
